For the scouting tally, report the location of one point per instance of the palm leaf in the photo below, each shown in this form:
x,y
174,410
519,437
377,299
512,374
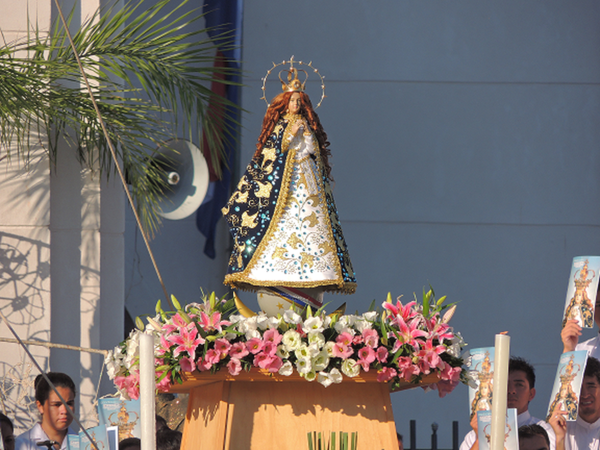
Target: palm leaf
x,y
150,70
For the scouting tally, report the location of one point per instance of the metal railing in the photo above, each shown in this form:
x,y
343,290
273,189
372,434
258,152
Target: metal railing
x,y
434,437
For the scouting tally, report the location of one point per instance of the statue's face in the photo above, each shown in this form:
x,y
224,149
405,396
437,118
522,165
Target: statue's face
x,y
295,103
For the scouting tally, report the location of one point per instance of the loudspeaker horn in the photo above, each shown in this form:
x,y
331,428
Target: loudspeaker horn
x,y
186,172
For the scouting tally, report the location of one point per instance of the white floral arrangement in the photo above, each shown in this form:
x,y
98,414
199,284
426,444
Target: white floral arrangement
x,y
399,342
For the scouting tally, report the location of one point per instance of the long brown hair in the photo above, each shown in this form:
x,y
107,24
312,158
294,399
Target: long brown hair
x,y
277,109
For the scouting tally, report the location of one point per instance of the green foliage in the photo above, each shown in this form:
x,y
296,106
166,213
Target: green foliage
x,y
150,69
325,441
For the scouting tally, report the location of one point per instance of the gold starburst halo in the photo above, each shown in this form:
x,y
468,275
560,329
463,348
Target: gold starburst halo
x,y
293,84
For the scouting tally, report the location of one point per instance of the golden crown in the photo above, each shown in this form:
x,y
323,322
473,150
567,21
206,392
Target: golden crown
x,y
293,83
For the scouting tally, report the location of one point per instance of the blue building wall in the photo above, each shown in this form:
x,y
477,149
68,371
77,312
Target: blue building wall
x,y
465,140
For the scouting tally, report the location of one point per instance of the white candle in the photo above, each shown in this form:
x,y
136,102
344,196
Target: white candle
x,y
147,390
501,356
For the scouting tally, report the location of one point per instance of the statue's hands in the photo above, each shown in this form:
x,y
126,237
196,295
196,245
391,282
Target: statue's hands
x,y
299,125
570,335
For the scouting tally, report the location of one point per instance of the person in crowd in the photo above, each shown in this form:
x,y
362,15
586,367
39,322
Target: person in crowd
x,y
572,331
130,444
583,433
56,418
7,430
161,423
521,390
533,437
167,439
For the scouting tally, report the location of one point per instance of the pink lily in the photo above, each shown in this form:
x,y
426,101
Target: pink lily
x,y
213,322
178,323
164,345
406,312
186,341
408,332
429,353
439,330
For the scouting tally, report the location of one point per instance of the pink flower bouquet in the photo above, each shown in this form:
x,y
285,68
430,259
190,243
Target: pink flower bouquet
x,y
397,342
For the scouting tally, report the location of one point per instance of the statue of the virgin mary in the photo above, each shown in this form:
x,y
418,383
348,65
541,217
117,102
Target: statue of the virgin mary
x,y
287,237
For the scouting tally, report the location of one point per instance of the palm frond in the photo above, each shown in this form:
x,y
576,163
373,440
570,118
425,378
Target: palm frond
x,y
150,69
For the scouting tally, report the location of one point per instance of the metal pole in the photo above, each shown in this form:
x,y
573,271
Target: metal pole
x,y
413,435
434,428
455,435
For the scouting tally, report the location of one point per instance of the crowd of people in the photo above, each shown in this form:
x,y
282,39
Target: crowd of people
x,y
558,433
55,425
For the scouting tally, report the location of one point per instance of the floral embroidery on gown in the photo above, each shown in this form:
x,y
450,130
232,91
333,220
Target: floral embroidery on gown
x,y
284,221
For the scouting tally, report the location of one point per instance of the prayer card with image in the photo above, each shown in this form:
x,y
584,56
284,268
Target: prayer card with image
x,y
567,384
582,291
481,370
484,430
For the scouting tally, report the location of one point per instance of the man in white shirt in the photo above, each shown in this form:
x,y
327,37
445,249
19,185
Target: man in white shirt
x,y
584,433
55,416
521,390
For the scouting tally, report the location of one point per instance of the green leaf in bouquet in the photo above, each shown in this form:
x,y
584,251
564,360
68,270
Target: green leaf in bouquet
x,y
372,306
426,298
162,376
384,331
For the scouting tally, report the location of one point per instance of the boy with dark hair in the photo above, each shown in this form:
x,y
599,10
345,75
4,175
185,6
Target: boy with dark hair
x,y
521,390
55,416
583,433
7,431
167,439
533,437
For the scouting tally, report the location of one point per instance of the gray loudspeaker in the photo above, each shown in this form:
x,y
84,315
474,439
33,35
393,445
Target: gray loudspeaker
x,y
186,172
